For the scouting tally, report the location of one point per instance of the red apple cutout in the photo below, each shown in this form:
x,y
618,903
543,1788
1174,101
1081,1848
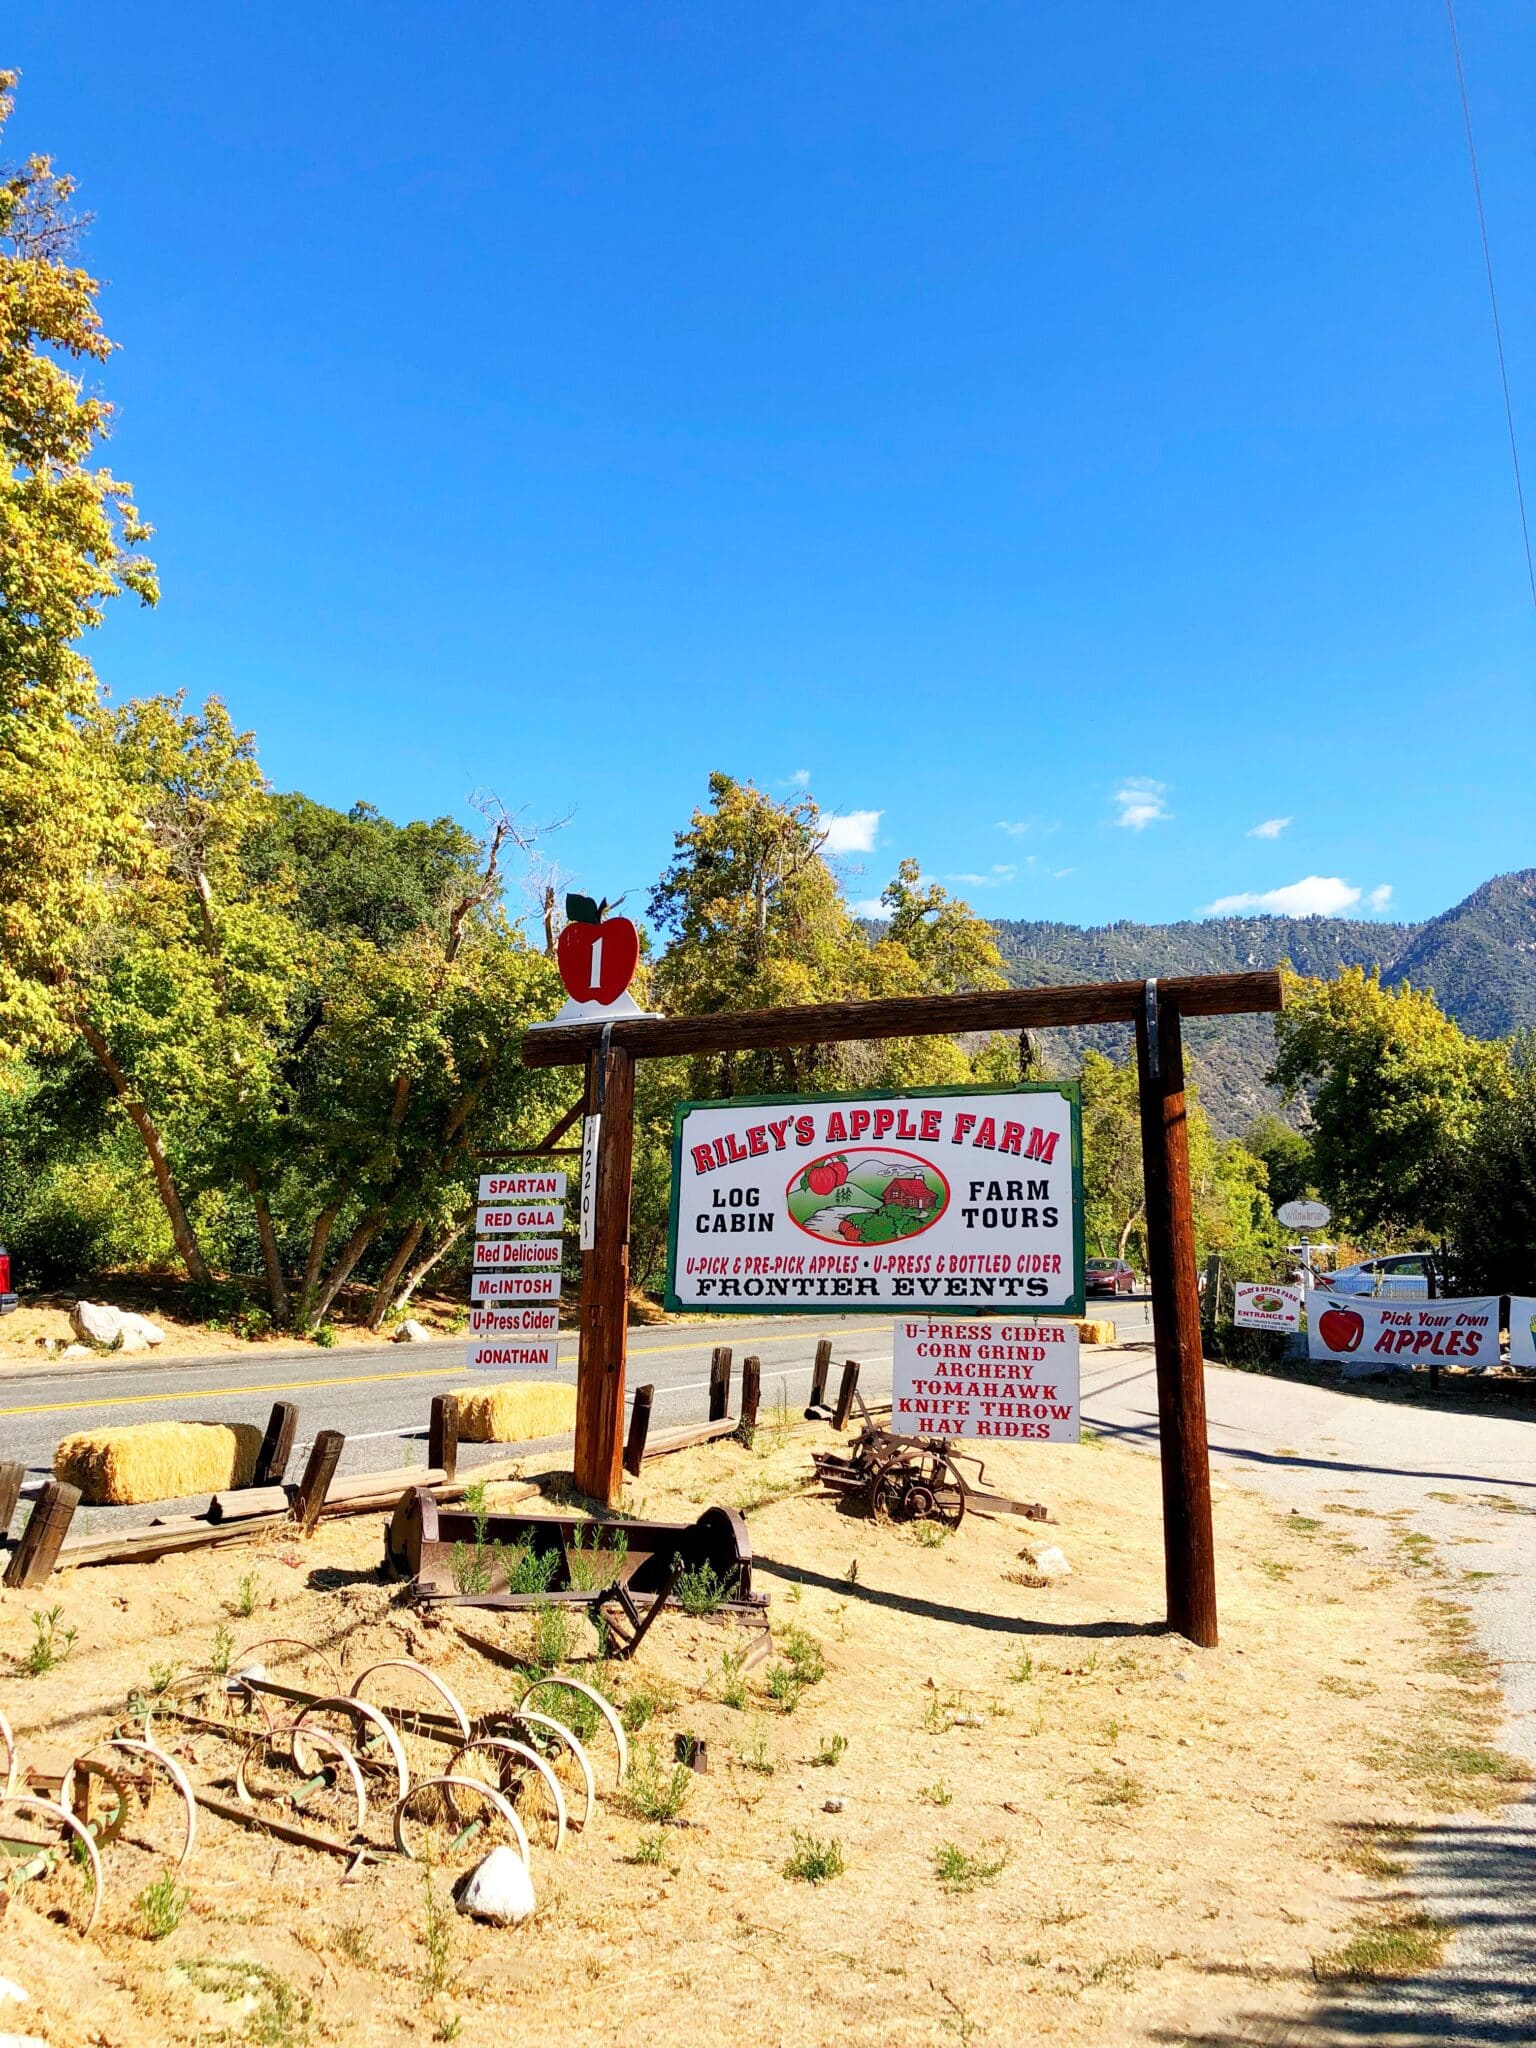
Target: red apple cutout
x,y
1340,1328
597,955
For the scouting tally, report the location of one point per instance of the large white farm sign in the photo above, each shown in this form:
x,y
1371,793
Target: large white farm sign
x,y
953,1200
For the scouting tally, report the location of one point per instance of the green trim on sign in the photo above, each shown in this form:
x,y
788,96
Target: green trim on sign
x,y
1068,1091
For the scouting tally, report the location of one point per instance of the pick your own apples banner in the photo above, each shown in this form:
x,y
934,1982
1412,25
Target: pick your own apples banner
x,y
1405,1333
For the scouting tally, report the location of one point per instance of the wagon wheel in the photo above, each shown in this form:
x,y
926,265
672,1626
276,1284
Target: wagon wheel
x,y
885,1497
939,1495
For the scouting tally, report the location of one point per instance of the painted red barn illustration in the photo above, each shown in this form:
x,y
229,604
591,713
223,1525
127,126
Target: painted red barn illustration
x,y
910,1191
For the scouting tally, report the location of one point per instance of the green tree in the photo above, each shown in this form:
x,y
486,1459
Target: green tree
x,y
1493,1212
69,542
1287,1157
1395,1091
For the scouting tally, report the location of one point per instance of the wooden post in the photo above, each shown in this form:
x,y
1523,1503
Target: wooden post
x,y
12,1478
1189,1552
845,1393
639,1429
751,1394
33,1559
443,1434
605,1279
324,1456
819,1373
720,1383
276,1445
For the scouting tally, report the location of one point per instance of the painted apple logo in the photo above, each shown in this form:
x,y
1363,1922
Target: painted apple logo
x,y
596,954
1341,1328
872,1196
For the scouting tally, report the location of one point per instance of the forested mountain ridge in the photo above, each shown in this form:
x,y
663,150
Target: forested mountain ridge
x,y
1479,958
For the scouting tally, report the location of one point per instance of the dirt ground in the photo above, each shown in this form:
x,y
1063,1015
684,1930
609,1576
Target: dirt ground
x,y
1057,1821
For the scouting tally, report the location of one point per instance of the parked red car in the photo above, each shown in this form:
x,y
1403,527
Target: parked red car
x,y
1110,1276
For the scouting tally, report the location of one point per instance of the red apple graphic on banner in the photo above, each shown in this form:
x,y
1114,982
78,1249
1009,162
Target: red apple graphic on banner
x,y
596,954
1341,1328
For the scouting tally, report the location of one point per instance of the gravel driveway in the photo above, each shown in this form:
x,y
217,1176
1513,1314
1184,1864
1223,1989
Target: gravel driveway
x,y
1470,1481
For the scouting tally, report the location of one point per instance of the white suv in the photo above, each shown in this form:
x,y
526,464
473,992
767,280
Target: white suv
x,y
1405,1276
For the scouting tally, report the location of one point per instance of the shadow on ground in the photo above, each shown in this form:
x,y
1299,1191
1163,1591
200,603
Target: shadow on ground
x,y
1479,1875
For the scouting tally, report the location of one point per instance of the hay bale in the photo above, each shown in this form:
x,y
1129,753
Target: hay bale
x,y
1091,1332
149,1461
515,1412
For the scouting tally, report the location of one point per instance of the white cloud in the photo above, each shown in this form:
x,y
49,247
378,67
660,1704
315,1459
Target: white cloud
x,y
1020,828
1270,829
1313,896
1141,802
851,831
871,907
1001,872
1060,874
800,779
1380,897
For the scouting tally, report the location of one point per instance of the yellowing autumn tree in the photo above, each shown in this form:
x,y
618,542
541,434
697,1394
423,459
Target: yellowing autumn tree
x,y
69,540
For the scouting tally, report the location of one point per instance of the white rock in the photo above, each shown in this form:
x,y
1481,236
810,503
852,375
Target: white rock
x,y
412,1332
10,1990
499,1889
95,1323
76,1351
139,1333
1051,1563
254,1672
22,2041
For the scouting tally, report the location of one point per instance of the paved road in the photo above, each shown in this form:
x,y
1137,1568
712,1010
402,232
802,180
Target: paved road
x,y
1470,1482
379,1394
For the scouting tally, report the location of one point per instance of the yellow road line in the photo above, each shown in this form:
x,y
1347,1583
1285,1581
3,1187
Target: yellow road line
x,y
361,1379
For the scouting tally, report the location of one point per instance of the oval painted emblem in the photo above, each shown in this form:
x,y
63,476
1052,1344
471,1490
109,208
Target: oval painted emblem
x,y
866,1195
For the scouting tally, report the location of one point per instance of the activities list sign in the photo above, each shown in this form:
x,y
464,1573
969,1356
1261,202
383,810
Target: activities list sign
x,y
1016,1381
947,1200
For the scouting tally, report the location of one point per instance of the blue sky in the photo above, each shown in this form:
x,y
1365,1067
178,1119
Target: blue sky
x,y
1068,440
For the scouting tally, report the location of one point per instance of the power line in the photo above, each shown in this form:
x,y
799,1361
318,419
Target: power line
x,y
1493,297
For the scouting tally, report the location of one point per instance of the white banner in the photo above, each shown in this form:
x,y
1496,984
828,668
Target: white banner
x,y
512,1354
1260,1306
515,1287
543,1321
951,1201
1402,1333
1012,1380
519,1216
493,1252
522,1187
1522,1330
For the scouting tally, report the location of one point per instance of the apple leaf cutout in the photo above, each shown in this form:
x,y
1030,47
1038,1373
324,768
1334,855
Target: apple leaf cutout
x,y
582,910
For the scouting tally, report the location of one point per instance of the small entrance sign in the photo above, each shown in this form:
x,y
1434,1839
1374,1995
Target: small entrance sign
x,y
1259,1306
1012,1381
957,1200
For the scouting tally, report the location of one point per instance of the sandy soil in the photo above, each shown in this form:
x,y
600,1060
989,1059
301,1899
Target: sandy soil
x,y
1150,1839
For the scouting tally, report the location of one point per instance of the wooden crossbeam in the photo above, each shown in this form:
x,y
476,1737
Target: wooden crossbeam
x,y
1009,1009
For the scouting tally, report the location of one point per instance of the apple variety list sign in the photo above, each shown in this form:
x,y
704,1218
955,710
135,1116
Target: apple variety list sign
x,y
515,1290
1010,1381
948,1200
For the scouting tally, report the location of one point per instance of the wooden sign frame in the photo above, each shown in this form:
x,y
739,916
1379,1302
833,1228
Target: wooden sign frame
x,y
1155,1008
